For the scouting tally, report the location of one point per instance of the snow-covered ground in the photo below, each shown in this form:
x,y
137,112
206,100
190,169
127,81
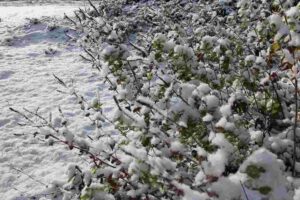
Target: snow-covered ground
x,y
26,81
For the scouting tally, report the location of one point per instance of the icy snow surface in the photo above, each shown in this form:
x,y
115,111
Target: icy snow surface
x,y
26,81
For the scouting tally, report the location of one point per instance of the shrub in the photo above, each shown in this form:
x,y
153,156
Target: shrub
x,y
206,100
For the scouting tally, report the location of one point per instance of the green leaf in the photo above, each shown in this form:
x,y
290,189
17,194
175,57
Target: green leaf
x,y
123,143
85,197
87,194
93,170
275,47
150,179
195,134
71,179
146,141
149,76
265,190
234,140
158,56
254,171
225,65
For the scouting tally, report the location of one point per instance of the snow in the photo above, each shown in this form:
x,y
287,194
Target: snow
x,y
17,15
176,146
160,165
223,42
184,50
199,178
187,90
207,118
222,142
295,42
275,20
26,80
189,194
260,61
226,189
226,110
216,162
169,45
211,101
256,136
297,194
272,175
293,12
250,58
208,40
204,88
241,3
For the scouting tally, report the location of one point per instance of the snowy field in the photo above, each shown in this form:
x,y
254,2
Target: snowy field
x,y
29,56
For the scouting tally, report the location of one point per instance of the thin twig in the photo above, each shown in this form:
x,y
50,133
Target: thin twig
x,y
295,126
94,7
60,81
144,54
68,18
90,54
244,190
22,114
28,176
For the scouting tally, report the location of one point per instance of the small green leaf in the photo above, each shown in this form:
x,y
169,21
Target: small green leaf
x,y
275,47
85,197
146,141
71,179
265,190
149,76
158,56
94,170
254,171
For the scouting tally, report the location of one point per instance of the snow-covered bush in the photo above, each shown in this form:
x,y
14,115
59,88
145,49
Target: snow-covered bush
x,y
206,101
